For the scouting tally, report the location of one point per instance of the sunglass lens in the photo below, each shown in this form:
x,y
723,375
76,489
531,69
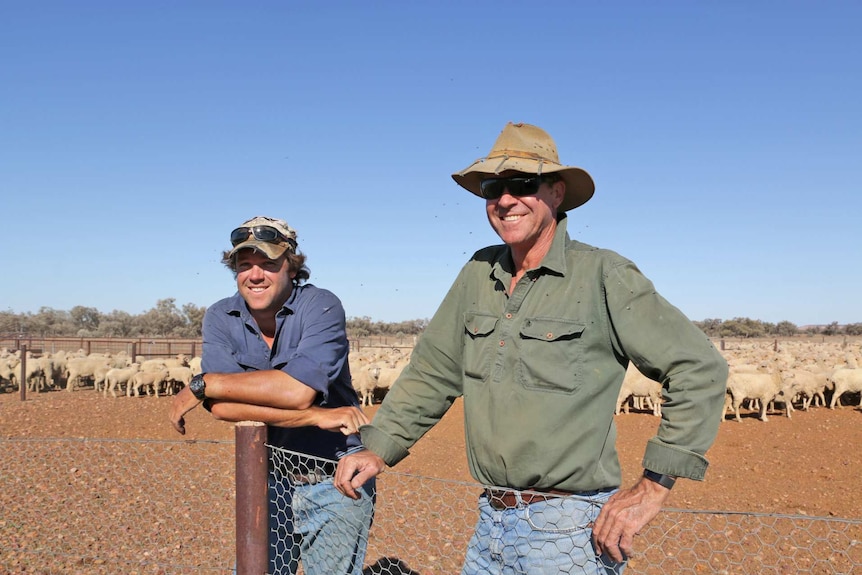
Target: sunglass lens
x,y
493,188
239,235
265,233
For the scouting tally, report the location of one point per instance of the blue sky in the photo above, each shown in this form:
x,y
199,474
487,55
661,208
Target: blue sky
x,y
725,140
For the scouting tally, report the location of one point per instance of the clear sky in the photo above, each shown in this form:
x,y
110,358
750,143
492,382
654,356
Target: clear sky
x,y
725,140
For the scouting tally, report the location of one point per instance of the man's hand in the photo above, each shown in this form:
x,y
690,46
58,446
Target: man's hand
x,y
344,419
183,402
624,515
355,469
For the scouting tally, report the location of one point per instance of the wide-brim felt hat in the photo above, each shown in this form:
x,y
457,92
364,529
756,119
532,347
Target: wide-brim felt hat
x,y
527,149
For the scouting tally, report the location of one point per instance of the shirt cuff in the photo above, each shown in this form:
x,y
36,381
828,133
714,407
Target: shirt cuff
x,y
382,444
669,460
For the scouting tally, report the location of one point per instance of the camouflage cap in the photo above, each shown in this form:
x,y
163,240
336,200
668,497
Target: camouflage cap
x,y
255,227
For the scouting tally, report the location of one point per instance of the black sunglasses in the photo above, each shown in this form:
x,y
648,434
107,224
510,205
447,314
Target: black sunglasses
x,y
261,233
518,186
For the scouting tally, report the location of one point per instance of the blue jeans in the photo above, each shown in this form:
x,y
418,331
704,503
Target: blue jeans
x,y
318,525
552,536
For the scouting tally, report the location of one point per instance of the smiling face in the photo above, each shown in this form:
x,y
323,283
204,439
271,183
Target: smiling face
x,y
527,223
263,283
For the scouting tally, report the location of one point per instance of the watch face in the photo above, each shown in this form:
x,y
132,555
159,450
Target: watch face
x,y
198,386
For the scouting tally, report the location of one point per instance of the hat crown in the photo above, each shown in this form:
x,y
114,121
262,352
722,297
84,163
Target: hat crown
x,y
525,141
280,225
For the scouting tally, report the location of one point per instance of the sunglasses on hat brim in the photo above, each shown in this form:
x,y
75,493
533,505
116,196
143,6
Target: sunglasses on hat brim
x,y
267,234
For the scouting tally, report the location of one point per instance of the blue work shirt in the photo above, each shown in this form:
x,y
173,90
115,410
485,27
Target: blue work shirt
x,y
310,345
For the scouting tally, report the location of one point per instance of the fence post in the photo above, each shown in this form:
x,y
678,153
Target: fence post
x,y
22,381
252,500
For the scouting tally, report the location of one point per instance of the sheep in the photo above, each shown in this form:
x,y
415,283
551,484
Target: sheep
x,y
178,377
809,384
365,382
8,369
81,368
639,387
119,376
99,383
152,380
845,379
764,387
50,370
195,365
388,374
34,375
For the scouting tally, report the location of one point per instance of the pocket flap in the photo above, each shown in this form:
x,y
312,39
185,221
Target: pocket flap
x,y
551,329
479,324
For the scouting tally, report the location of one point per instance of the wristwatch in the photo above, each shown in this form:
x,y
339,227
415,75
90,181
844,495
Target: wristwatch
x,y
198,386
660,478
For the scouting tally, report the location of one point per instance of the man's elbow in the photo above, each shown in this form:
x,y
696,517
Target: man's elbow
x,y
221,411
304,400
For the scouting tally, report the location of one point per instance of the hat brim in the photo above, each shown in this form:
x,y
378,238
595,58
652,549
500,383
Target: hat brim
x,y
579,184
270,250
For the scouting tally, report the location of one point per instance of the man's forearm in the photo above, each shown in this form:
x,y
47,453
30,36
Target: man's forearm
x,y
270,388
230,411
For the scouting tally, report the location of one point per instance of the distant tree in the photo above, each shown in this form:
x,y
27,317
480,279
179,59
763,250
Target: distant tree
x,y
194,319
853,329
85,318
49,321
9,322
118,324
831,329
710,327
161,320
786,328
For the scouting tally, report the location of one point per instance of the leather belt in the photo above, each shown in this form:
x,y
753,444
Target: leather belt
x,y
313,476
508,498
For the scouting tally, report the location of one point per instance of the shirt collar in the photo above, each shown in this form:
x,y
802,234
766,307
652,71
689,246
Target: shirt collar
x,y
554,261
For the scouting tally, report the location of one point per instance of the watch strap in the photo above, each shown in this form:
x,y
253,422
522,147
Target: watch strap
x,y
663,480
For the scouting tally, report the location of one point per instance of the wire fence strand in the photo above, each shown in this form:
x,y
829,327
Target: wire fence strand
x,y
82,506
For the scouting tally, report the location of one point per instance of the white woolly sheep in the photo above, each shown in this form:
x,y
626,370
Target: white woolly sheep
x,y
117,377
763,387
845,379
640,388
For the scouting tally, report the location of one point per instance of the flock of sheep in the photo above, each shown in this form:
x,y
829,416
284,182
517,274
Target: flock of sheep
x,y
795,374
107,373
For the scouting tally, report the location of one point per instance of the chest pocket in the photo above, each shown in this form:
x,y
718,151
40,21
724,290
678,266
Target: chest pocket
x,y
478,329
551,355
252,361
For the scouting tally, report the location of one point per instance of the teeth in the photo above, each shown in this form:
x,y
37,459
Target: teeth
x,y
511,218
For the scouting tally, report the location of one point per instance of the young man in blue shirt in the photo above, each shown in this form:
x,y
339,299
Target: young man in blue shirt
x,y
276,352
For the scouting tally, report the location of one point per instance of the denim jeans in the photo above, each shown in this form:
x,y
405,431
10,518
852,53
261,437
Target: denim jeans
x,y
318,525
545,537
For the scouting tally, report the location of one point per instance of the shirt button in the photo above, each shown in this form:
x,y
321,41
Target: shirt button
x,y
550,336
508,316
502,343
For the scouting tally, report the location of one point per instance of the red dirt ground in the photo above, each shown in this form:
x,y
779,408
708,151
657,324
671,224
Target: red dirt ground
x,y
809,464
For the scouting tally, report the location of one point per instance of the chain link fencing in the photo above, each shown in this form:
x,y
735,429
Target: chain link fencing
x,y
82,506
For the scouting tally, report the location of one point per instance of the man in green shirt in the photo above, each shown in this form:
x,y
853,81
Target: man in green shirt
x,y
535,334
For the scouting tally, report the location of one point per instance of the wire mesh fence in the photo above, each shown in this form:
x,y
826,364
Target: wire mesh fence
x,y
81,506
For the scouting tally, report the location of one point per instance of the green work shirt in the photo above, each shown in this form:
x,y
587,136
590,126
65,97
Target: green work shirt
x,y
540,371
